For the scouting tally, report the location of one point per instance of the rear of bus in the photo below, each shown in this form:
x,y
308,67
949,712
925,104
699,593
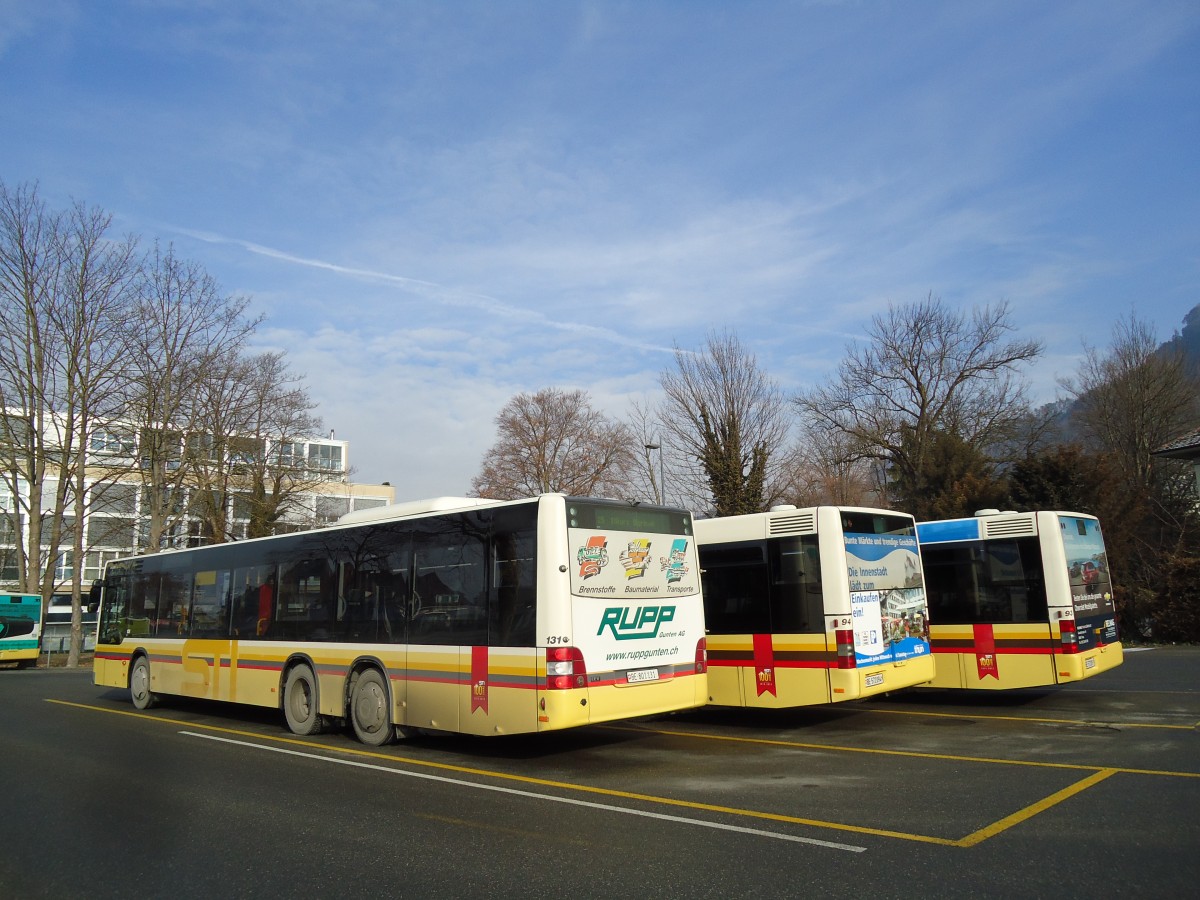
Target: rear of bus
x,y
620,613
810,606
1079,586
20,628
1019,599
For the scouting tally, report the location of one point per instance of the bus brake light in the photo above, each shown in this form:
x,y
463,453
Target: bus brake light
x,y
565,668
845,648
701,656
1070,641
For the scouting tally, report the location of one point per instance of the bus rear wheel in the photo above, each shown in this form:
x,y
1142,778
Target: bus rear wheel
x,y
370,712
300,702
139,685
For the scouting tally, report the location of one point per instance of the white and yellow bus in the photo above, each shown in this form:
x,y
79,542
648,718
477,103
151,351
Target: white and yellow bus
x,y
20,628
808,606
456,614
1019,600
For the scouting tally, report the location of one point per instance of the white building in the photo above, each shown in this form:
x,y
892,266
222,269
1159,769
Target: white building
x,y
117,524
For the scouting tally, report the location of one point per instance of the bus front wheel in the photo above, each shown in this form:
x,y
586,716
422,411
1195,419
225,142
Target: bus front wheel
x,y
300,702
370,712
139,685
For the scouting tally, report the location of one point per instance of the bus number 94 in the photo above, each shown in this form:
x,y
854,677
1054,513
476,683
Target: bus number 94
x,y
557,639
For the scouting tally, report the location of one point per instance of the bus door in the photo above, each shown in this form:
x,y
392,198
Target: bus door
x,y
206,656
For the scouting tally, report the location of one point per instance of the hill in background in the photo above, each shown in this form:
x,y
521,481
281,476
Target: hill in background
x,y
1188,339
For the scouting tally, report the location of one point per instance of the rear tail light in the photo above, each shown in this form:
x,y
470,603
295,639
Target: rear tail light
x,y
701,656
845,648
565,669
1070,641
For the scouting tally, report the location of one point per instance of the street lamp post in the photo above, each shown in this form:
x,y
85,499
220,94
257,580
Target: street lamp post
x,y
660,493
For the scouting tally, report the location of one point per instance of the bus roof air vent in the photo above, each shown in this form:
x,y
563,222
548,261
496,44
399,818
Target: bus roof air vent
x,y
1017,526
805,523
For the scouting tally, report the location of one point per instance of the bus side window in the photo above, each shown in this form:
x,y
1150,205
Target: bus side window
x,y
211,602
253,593
512,597
450,592
173,600
797,603
308,599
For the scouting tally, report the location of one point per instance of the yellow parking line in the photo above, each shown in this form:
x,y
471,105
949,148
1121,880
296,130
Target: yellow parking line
x,y
941,715
917,754
1033,809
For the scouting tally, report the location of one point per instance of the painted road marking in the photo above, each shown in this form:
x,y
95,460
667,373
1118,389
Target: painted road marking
x,y
1099,773
917,754
529,795
1035,719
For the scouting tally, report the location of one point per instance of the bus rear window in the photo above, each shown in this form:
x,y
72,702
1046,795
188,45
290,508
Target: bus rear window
x,y
875,523
623,517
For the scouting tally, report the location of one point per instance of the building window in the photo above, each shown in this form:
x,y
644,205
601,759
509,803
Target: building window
x,y
291,455
330,509
325,457
111,442
115,500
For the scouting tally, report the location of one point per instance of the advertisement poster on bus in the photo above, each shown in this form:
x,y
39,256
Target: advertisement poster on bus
x,y
887,598
636,601
1091,588
633,566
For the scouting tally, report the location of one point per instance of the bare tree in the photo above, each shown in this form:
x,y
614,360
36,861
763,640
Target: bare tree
x,y
648,477
185,329
255,414
825,472
30,353
1130,401
64,287
96,297
555,441
927,371
729,428
1134,399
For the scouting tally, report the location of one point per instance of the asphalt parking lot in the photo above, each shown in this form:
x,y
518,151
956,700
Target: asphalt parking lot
x,y
1064,791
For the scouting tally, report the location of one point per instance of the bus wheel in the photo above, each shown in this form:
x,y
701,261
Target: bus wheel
x,y
139,685
370,713
300,702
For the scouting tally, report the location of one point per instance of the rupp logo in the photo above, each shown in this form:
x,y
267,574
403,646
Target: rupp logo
x,y
632,625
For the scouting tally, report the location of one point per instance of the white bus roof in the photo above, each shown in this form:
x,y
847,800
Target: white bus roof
x,y
413,508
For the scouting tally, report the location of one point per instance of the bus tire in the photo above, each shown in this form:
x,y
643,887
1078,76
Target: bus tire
x,y
370,710
300,702
139,685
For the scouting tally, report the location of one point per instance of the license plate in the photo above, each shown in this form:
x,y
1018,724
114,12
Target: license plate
x,y
642,675
875,680
1089,663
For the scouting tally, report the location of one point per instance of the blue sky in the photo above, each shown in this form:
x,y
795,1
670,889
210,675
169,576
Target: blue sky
x,y
439,205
